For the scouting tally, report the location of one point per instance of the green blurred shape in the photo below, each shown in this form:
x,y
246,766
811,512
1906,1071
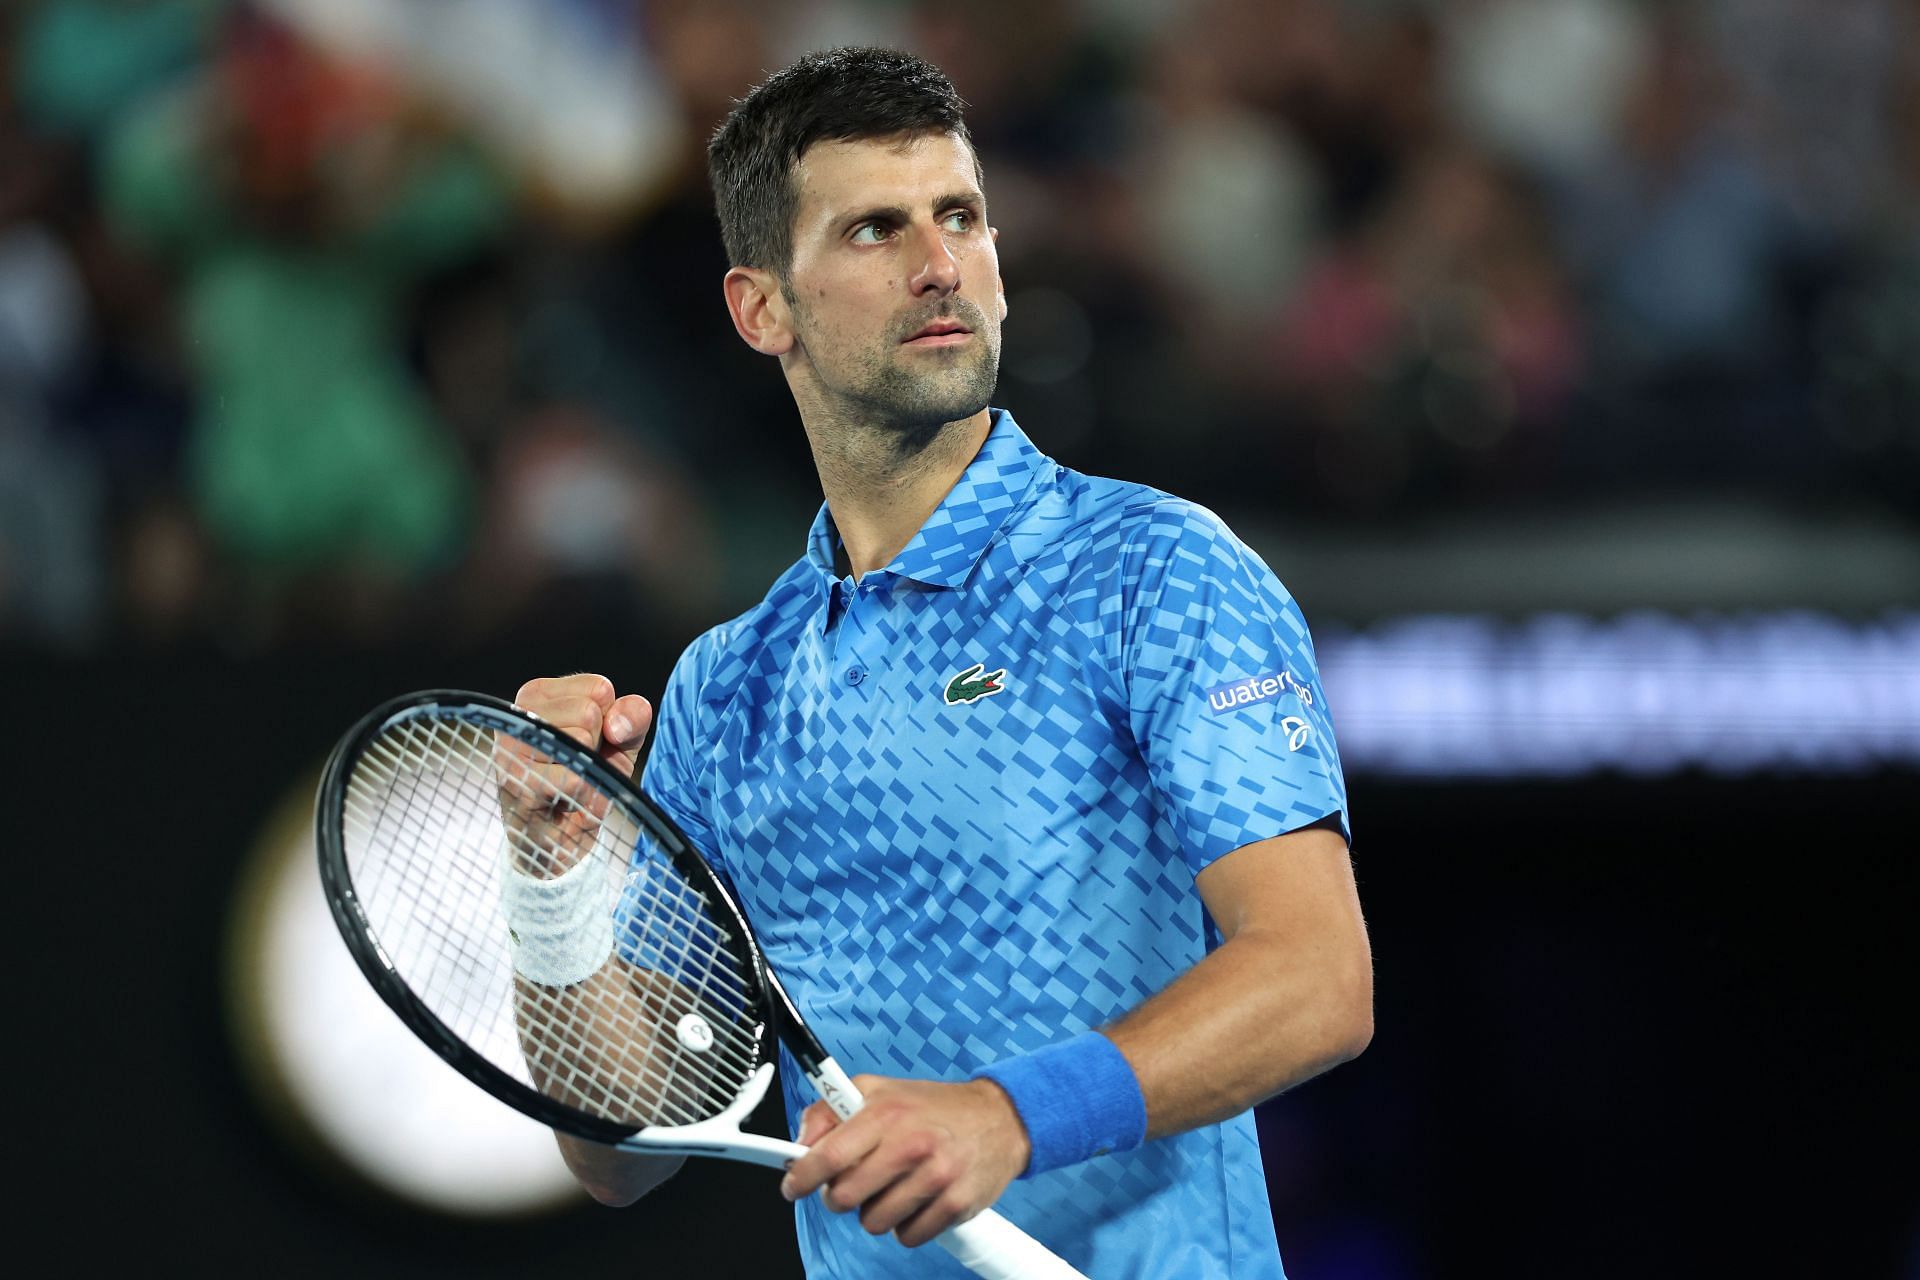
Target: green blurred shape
x,y
313,445
79,63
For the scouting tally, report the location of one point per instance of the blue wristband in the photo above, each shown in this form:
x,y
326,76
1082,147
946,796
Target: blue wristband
x,y
1077,1099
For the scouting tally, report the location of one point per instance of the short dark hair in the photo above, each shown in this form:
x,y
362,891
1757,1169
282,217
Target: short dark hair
x,y
837,95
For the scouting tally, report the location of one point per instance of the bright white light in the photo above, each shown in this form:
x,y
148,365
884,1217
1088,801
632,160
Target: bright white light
x,y
383,1102
1644,693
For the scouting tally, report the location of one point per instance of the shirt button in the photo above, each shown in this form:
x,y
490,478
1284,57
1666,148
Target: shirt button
x,y
855,675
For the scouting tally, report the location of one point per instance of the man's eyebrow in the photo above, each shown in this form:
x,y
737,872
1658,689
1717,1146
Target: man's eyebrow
x,y
972,201
894,214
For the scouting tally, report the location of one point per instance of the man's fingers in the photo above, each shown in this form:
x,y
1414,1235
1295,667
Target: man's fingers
x,y
585,707
617,730
815,1123
595,688
937,1213
919,1157
915,1199
577,704
627,722
884,1162
836,1152
577,715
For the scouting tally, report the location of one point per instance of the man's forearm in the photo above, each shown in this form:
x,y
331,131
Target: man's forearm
x,y
615,1177
585,1046
1287,994
1254,1018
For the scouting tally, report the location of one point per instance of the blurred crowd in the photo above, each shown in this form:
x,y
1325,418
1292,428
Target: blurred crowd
x,y
367,321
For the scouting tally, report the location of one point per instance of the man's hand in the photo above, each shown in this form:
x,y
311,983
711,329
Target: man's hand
x,y
918,1158
550,815
585,707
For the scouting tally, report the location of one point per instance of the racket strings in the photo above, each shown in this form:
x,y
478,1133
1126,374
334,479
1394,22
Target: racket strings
x,y
433,886
436,808
650,1086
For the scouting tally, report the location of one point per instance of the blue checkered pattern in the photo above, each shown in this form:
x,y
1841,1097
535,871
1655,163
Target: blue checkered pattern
x,y
943,884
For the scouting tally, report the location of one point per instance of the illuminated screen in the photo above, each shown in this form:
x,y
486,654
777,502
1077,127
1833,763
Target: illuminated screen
x,y
1644,693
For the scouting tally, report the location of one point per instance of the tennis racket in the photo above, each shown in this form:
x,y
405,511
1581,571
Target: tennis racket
x,y
465,845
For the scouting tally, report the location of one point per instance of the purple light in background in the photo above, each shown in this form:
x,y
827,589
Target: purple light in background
x,y
1644,693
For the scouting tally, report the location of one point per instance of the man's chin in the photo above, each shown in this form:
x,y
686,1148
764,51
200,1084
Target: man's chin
x,y
923,406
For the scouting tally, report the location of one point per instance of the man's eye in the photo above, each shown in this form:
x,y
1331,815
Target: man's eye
x,y
959,220
871,233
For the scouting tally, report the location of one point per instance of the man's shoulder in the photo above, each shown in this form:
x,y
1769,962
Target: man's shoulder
x,y
715,653
1135,544
1127,518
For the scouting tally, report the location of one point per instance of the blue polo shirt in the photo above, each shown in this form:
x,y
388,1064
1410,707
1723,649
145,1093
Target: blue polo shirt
x,y
964,801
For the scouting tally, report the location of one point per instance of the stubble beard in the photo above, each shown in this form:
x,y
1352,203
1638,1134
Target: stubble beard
x,y
909,407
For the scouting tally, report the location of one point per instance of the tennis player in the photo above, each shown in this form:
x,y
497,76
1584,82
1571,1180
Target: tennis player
x,y
1025,776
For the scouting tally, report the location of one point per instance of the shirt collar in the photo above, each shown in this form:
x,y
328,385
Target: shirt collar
x,y
948,546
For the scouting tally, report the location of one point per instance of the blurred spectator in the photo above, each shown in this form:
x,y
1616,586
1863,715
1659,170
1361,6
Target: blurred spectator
x,y
1867,328
300,199
52,570
632,324
43,307
83,62
1683,247
590,531
1678,230
1230,200
301,361
1543,83
52,582
166,570
1440,344
1813,80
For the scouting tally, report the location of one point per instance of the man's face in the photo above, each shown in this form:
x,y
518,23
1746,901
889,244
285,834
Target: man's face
x,y
895,284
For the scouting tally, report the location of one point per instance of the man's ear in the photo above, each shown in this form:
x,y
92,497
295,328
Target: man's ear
x,y
1000,284
759,310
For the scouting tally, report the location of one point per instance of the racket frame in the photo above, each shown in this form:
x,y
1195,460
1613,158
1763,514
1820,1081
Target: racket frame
x,y
344,902
987,1244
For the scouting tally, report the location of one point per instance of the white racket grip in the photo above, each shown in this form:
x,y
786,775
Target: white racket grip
x,y
992,1247
986,1244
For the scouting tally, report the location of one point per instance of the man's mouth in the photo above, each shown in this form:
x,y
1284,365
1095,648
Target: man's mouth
x,y
941,333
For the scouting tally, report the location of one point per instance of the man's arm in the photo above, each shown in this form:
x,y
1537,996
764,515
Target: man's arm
x,y
585,706
1287,994
594,1069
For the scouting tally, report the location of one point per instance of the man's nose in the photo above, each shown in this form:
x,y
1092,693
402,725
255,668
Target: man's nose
x,y
939,272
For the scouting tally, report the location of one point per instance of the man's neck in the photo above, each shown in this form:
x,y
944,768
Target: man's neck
x,y
881,485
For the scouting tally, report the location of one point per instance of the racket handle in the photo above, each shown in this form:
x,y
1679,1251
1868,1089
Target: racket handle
x,y
986,1244
994,1249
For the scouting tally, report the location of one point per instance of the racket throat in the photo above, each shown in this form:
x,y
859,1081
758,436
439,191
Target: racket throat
x,y
835,1088
721,1135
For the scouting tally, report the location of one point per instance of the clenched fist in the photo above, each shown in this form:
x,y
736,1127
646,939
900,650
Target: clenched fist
x,y
551,816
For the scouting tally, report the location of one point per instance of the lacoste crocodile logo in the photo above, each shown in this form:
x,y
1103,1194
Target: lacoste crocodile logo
x,y
971,686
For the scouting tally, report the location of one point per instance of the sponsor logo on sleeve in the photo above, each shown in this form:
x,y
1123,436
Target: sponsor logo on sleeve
x,y
1265,688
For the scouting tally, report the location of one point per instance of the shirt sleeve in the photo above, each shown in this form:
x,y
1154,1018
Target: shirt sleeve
x,y
675,780
1223,689
675,777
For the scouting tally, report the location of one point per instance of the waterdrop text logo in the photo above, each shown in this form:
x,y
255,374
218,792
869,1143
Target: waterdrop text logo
x,y
1264,688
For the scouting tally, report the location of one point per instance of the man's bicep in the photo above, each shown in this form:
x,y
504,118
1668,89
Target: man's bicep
x,y
1298,887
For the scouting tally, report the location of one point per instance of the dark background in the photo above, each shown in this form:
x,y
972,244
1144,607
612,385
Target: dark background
x,y
325,376
1624,1026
